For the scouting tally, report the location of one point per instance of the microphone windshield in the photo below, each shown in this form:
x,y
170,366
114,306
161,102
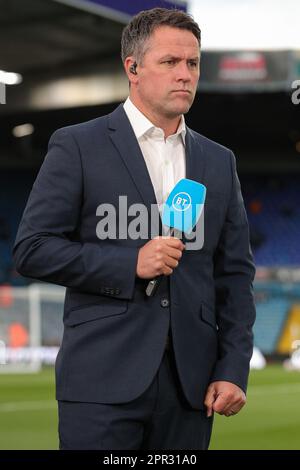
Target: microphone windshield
x,y
184,205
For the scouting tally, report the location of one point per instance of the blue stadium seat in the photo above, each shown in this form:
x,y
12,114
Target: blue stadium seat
x,y
271,316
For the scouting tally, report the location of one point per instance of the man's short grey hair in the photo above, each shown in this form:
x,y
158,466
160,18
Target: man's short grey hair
x,y
137,33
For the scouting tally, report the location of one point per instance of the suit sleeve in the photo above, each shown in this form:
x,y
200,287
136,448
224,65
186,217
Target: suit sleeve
x,y
47,247
234,274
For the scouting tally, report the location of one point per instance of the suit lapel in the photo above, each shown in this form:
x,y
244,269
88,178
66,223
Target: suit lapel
x,y
194,157
123,137
195,162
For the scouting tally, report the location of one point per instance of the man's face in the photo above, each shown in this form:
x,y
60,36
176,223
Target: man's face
x,y
168,76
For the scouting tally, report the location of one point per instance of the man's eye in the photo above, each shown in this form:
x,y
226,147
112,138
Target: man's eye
x,y
169,62
193,64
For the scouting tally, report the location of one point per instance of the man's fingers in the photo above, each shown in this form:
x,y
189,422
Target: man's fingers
x,y
229,398
234,408
228,405
209,400
173,252
176,243
173,242
236,402
232,411
221,403
167,271
166,266
209,411
171,262
167,259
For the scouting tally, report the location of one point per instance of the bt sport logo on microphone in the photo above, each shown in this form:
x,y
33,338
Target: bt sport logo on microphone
x,y
181,216
182,201
135,221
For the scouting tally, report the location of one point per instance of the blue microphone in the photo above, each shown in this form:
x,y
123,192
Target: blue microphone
x,y
181,213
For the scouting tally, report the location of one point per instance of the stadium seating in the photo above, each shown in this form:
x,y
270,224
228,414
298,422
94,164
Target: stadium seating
x,y
15,186
271,316
273,207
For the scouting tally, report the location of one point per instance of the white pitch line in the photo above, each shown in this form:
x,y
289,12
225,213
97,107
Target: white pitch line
x,y
27,406
277,389
51,404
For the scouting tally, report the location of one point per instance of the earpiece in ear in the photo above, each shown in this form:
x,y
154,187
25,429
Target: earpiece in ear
x,y
132,68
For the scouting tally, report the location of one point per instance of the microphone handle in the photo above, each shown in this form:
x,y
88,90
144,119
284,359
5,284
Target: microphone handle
x,y
155,283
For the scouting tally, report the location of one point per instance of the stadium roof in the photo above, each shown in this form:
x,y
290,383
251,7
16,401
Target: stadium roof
x,y
39,35
67,51
36,34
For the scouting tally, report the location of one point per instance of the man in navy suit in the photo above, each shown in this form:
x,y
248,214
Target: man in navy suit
x,y
133,371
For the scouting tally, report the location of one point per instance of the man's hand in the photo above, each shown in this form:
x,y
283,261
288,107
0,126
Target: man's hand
x,y
159,256
224,398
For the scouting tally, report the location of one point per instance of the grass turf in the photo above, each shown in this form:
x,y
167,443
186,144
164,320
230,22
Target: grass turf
x,y
270,420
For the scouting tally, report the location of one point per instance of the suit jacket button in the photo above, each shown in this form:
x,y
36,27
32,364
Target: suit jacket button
x,y
165,303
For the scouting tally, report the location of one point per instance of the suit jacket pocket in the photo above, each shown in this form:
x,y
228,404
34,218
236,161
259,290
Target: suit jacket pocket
x,y
208,315
86,313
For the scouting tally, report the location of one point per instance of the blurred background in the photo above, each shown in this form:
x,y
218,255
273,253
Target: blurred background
x,y
59,65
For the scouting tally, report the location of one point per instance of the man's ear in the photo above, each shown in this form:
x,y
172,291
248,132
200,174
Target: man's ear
x,y
130,66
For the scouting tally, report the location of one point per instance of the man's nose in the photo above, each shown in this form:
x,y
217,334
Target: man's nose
x,y
183,72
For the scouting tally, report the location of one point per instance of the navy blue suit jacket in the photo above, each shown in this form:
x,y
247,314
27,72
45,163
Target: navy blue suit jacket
x,y
114,335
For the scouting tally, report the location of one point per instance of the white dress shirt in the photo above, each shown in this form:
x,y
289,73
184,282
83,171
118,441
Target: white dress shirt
x,y
165,158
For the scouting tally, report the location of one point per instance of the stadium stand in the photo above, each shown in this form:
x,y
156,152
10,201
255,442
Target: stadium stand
x,y
271,315
15,186
273,207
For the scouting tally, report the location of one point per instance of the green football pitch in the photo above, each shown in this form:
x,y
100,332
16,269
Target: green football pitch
x,y
271,419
